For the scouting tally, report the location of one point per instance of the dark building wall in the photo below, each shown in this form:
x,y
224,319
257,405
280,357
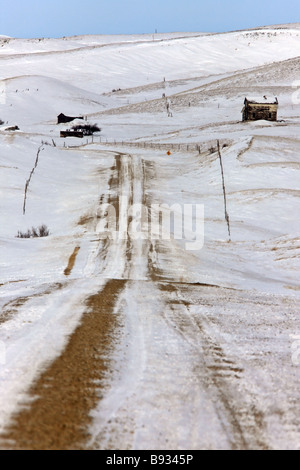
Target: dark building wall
x,y
71,134
62,119
257,111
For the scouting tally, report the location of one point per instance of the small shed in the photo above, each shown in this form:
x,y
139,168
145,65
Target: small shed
x,y
63,119
262,109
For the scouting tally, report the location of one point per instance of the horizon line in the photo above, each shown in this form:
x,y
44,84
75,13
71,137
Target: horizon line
x,y
275,26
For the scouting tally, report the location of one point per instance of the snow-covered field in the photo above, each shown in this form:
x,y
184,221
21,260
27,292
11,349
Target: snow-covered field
x,y
205,354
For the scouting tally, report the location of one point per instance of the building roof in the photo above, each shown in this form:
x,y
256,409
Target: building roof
x,y
262,100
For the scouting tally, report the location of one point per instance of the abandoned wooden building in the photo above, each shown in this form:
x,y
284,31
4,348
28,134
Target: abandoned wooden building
x,y
255,111
62,119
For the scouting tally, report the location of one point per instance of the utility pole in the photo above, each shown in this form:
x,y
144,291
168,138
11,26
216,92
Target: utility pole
x,y
224,191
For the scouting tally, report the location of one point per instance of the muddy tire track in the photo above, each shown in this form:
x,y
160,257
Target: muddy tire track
x,y
64,395
70,388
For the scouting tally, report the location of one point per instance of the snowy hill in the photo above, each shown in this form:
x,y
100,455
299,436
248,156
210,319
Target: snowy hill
x,y
151,94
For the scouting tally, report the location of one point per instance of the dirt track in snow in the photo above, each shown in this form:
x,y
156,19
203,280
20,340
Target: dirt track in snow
x,y
178,367
67,391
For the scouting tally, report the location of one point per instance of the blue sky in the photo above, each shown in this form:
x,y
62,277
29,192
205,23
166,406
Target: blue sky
x,y
56,18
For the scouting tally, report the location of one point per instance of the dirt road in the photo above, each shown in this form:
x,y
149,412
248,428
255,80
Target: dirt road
x,y
156,363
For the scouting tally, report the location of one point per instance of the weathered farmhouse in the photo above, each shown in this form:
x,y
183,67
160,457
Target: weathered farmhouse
x,y
254,111
62,119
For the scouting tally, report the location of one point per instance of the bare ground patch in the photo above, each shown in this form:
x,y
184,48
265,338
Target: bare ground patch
x,y
72,261
11,308
70,388
85,219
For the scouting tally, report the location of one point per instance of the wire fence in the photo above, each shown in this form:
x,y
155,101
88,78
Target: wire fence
x,y
156,145
204,147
